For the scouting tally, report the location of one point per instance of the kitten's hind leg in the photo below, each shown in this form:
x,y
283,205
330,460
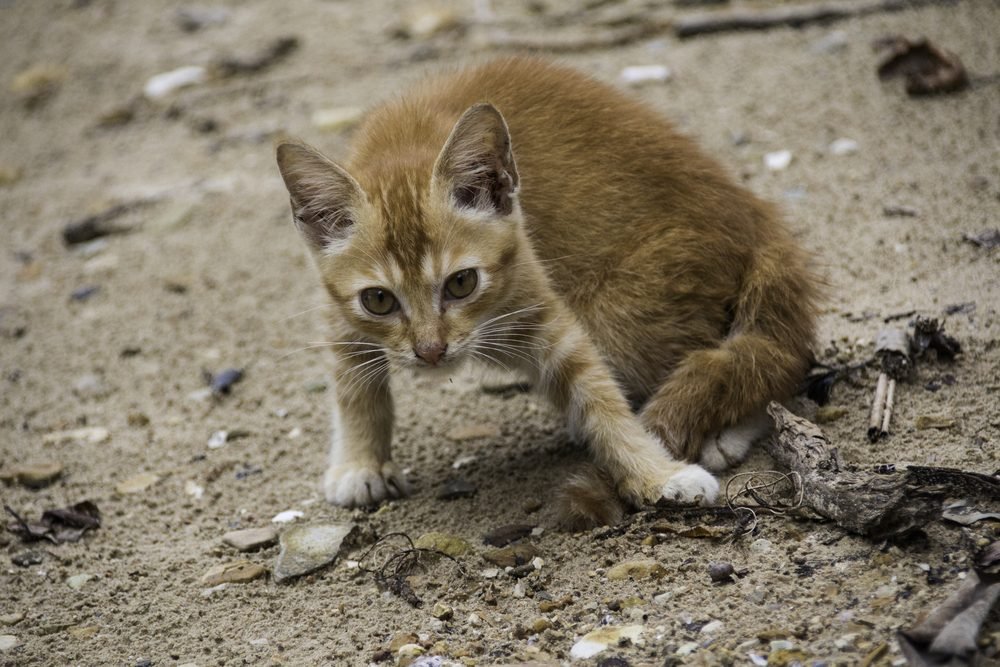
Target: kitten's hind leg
x,y
730,446
579,382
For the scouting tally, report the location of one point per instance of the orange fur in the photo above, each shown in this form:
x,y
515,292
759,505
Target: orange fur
x,y
627,266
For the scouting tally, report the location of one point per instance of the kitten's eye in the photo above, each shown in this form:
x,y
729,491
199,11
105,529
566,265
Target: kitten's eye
x,y
378,301
461,284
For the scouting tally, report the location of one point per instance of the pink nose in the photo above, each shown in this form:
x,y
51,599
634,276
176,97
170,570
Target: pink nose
x,y
430,352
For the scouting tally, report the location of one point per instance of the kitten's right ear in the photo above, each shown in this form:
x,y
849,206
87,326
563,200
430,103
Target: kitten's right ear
x,y
323,195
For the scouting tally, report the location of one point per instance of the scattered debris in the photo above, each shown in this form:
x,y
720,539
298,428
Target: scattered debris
x,y
605,637
899,211
222,383
38,83
642,568
512,556
391,565
165,83
963,513
795,16
84,293
843,147
928,69
305,549
287,516
948,635
640,74
251,539
988,238
504,535
239,572
938,422
276,51
137,483
877,506
59,525
445,543
99,225
721,573
336,119
192,19
928,334
473,432
33,475
457,487
778,160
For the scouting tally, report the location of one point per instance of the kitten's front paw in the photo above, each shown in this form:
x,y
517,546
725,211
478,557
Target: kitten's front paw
x,y
691,484
360,484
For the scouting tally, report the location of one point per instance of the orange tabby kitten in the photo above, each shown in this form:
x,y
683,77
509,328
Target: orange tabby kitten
x,y
527,216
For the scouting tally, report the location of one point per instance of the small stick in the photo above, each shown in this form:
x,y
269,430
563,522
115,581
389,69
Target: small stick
x,y
878,406
887,415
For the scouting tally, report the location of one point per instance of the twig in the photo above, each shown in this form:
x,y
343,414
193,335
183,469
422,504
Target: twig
x,y
887,414
795,17
878,407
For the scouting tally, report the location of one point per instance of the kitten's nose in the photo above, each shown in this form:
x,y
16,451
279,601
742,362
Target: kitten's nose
x,y
430,352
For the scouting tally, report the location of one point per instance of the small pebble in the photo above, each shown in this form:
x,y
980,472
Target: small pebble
x,y
34,475
218,439
442,611
463,461
830,413
643,568
721,572
239,572
602,638
336,119
91,435
473,432
251,539
446,543
843,146
27,558
711,627
7,642
760,546
778,160
194,489
138,483
640,74
455,488
939,422
11,619
161,85
287,516
77,581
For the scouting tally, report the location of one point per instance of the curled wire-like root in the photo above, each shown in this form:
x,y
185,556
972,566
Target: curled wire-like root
x,y
390,563
771,491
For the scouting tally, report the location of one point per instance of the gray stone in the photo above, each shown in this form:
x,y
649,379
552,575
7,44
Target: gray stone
x,y
305,549
251,539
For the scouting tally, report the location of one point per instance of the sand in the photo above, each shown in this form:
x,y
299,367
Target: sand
x,y
212,276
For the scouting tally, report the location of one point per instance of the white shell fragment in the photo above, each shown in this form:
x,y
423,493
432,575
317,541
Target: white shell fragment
x,y
843,146
287,516
600,639
638,74
778,160
336,118
161,85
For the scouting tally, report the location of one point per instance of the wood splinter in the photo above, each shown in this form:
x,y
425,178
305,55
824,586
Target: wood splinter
x,y
892,350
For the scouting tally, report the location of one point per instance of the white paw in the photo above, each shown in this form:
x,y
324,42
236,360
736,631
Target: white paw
x,y
359,484
693,484
730,447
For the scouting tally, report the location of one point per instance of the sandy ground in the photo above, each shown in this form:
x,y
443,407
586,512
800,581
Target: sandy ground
x,y
213,276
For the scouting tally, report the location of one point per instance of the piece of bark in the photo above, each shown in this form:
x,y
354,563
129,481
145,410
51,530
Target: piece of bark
x,y
795,16
877,506
948,635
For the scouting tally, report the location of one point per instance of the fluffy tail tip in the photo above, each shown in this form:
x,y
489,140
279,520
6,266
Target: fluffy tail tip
x,y
588,499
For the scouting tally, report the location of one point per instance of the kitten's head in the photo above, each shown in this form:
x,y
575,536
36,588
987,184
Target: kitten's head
x,y
417,253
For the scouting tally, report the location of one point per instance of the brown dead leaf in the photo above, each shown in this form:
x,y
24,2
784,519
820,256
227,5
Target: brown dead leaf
x,y
58,525
928,69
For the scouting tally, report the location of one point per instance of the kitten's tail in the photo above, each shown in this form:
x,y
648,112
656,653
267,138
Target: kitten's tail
x,y
588,499
765,356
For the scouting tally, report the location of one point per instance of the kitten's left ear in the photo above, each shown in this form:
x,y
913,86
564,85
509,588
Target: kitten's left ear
x,y
476,165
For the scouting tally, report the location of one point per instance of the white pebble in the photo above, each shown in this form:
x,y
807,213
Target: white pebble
x,y
218,439
463,461
537,563
295,433
519,591
491,573
638,74
287,516
8,642
843,147
778,160
710,628
337,118
161,85
760,546
194,490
